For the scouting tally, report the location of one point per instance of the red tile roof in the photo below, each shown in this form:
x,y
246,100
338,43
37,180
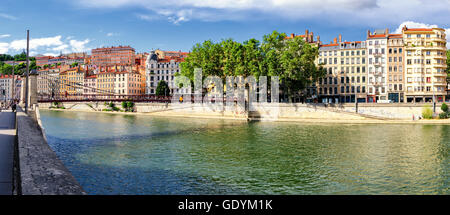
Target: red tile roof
x,y
326,45
419,29
377,36
395,35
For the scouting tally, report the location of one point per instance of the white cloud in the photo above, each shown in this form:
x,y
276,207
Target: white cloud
x,y
36,43
4,35
411,24
79,46
7,16
61,47
4,48
39,45
362,12
111,34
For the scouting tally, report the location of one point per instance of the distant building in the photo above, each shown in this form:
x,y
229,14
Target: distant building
x,y
164,54
395,68
111,56
346,74
90,86
61,60
377,64
308,37
161,70
7,87
425,64
71,82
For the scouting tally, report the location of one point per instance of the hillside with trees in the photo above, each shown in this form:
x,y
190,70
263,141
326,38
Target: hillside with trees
x,y
19,68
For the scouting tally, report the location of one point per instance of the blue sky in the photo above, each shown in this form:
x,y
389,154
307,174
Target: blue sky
x,y
71,26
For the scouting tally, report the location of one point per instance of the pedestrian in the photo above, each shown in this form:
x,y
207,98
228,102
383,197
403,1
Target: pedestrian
x,y
13,107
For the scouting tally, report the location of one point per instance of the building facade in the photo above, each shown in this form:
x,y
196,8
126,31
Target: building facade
x,y
425,64
161,70
111,56
7,87
346,72
395,68
377,64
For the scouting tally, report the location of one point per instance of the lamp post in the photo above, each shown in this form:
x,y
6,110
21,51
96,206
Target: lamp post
x,y
13,81
27,71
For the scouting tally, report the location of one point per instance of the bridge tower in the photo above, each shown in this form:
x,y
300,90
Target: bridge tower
x,y
32,89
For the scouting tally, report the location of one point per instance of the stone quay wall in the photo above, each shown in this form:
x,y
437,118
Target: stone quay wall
x,y
270,111
40,170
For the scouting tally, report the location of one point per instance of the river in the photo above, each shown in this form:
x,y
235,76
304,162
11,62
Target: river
x,y
138,154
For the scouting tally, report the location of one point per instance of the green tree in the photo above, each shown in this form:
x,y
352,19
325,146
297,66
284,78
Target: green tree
x,y
444,107
162,89
292,60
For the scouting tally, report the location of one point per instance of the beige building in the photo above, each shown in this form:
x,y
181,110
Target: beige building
x,y
346,77
129,83
425,64
395,68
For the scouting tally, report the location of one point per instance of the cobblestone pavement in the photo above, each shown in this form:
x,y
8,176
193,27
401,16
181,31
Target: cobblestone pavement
x,y
7,135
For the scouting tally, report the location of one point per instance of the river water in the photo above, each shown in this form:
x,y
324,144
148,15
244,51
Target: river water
x,y
128,154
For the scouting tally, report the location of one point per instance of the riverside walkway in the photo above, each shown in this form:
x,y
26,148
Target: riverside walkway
x,y
7,137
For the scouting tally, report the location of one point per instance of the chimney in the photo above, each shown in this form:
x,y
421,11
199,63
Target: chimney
x,y
386,31
306,32
368,33
292,35
318,39
335,40
340,38
404,28
312,37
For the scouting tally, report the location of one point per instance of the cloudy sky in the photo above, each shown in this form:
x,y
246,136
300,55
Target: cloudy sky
x,y
79,25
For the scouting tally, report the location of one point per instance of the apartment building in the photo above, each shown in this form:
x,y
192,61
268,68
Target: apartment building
x,y
71,82
425,64
376,44
395,68
7,87
41,61
346,74
90,86
129,83
106,82
159,70
111,56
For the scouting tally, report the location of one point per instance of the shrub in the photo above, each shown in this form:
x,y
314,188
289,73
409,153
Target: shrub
x,y
444,107
427,112
443,115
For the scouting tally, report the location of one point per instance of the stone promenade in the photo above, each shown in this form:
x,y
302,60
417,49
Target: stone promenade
x,y
7,137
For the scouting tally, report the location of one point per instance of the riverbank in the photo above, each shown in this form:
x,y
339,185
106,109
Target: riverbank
x,y
279,119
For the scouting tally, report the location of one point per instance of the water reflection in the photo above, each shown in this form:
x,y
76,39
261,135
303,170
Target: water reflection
x,y
120,154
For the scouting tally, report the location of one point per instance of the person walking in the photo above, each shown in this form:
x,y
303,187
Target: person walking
x,y
13,107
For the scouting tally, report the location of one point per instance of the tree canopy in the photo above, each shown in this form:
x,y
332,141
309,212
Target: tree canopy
x,y
290,59
19,67
162,89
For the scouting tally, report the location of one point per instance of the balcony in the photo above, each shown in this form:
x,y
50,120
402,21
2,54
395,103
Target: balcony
x,y
377,54
377,64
